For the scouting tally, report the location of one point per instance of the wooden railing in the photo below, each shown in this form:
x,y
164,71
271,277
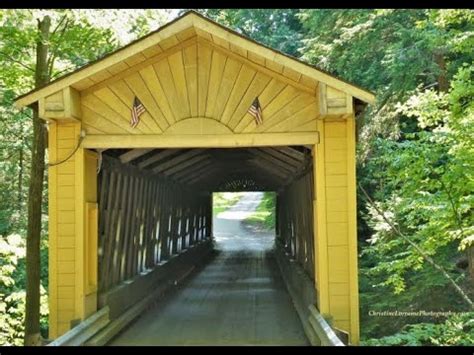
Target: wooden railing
x,y
302,291
144,219
81,333
130,299
295,221
326,335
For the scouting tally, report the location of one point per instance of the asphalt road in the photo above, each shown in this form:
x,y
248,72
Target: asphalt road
x,y
238,298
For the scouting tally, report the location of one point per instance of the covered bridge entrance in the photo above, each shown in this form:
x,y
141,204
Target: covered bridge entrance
x,y
130,202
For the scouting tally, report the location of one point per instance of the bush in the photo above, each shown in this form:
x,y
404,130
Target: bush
x,y
12,292
456,330
264,215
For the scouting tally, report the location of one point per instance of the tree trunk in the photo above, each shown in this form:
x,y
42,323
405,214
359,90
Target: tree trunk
x,y
20,180
443,83
35,193
470,260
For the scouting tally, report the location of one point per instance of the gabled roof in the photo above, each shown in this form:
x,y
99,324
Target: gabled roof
x,y
179,30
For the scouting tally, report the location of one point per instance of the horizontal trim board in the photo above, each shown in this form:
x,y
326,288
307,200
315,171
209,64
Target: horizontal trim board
x,y
199,140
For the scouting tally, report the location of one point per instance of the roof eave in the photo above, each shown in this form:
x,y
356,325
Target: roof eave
x,y
32,96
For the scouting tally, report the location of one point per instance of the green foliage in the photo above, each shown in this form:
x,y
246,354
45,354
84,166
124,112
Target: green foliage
x,y
264,214
456,330
428,184
277,28
222,201
415,147
12,294
389,51
15,134
425,183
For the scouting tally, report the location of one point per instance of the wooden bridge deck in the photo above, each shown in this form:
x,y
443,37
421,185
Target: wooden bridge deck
x,y
239,298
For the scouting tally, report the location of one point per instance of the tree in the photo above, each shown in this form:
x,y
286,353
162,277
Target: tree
x,y
32,311
64,40
52,48
277,28
410,158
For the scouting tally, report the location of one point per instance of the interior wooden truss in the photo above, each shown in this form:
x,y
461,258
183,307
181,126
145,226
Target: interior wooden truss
x,y
265,168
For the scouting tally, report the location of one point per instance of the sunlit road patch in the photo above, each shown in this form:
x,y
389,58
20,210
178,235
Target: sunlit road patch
x,y
247,204
230,232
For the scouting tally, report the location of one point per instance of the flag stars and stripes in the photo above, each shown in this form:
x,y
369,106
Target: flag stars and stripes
x,y
256,111
137,110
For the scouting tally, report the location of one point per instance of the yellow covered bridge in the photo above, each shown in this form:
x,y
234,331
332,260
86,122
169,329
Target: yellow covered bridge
x,y
130,202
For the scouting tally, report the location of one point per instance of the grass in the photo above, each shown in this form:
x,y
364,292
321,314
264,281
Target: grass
x,y
222,201
264,215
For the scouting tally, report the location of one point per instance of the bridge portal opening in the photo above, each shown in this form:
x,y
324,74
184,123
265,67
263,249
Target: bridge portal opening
x,y
161,210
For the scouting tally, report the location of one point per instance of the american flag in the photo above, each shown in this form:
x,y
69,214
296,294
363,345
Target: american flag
x,y
256,111
137,110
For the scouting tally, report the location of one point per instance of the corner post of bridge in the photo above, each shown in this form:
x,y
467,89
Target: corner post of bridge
x,y
335,223
73,227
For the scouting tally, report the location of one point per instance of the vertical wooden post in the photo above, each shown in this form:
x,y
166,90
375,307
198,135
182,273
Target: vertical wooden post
x,y
63,288
164,223
53,237
352,229
209,217
319,210
72,229
86,216
336,224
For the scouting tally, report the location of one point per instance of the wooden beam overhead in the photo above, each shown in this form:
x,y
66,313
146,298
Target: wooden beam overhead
x,y
280,162
178,159
269,181
182,175
157,157
259,175
291,152
271,169
133,154
205,174
197,172
283,157
185,164
276,162
298,174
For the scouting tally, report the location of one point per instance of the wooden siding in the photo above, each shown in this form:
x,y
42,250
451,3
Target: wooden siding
x,y
72,197
62,227
199,79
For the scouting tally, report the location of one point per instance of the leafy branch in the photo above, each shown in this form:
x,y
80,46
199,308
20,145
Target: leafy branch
x,y
423,254
13,60
54,53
